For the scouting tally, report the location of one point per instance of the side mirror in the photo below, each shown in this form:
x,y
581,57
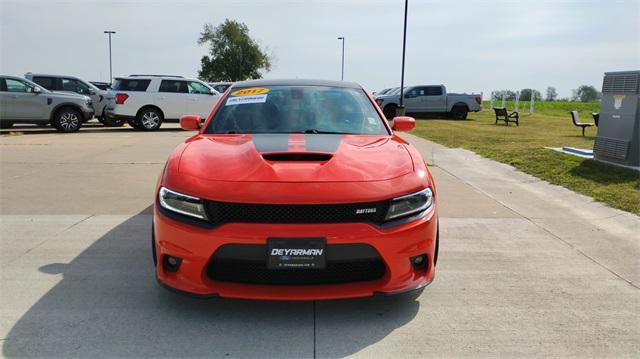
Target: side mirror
x,y
403,123
92,92
190,122
37,90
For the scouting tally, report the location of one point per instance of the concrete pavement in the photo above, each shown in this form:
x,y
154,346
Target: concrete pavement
x,y
526,269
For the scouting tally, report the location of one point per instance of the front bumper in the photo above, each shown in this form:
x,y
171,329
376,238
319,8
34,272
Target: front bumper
x,y
196,245
88,113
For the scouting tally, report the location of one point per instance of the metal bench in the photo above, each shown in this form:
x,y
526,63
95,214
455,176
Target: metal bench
x,y
576,121
503,115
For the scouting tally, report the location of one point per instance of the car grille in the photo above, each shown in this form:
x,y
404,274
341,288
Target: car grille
x,y
247,263
227,212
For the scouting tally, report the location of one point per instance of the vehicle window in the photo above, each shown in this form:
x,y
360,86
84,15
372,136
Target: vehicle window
x,y
434,91
17,86
131,85
416,91
47,82
297,109
76,86
198,88
221,88
173,86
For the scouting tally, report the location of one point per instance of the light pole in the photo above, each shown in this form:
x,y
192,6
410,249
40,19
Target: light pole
x,y
400,109
342,38
110,66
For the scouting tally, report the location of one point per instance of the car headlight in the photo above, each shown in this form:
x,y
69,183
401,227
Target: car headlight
x,y
182,203
421,201
379,101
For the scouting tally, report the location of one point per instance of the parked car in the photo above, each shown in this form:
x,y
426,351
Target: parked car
x,y
145,101
295,190
106,86
431,99
220,86
63,83
23,101
383,91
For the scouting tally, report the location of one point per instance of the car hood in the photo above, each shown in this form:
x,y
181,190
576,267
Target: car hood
x,y
71,95
295,158
386,97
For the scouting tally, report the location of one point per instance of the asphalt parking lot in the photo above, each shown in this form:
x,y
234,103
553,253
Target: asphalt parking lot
x,y
526,269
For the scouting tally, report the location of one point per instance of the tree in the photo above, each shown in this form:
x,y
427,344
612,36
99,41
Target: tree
x,y
586,93
525,94
552,94
233,54
509,95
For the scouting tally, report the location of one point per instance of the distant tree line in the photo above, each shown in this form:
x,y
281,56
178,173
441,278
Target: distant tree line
x,y
584,93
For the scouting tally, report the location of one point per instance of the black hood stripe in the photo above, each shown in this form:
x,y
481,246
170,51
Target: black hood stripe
x,y
279,142
326,143
271,142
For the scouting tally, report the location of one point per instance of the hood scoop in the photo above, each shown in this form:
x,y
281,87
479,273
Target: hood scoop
x,y
297,157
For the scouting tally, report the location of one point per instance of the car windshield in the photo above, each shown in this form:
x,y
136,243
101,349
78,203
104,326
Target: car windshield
x,y
297,109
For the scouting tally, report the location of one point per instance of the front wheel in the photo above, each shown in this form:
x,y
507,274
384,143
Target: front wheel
x,y
67,120
149,119
153,245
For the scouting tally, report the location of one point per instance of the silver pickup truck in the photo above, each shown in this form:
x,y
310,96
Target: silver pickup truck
x,y
431,99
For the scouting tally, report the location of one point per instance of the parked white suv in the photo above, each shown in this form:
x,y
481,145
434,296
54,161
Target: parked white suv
x,y
145,101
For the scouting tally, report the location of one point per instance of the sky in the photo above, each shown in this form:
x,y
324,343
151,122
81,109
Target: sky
x,y
470,46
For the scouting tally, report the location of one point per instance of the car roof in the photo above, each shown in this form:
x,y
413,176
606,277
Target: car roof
x,y
50,75
297,82
151,77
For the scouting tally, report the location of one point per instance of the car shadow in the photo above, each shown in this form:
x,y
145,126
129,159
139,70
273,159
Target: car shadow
x,y
108,304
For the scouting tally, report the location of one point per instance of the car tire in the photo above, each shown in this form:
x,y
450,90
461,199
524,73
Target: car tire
x,y
134,124
459,112
153,245
437,250
390,111
149,119
6,124
111,122
67,119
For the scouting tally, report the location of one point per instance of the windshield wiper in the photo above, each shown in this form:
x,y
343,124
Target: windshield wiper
x,y
313,130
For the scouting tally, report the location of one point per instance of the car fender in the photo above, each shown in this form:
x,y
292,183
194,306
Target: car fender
x,y
64,104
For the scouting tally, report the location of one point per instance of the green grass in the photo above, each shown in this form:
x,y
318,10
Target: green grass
x,y
524,148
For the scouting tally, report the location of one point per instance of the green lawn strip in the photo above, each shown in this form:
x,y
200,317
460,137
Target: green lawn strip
x,y
525,148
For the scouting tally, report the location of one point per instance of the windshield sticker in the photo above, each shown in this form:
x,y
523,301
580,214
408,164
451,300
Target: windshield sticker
x,y
250,91
246,99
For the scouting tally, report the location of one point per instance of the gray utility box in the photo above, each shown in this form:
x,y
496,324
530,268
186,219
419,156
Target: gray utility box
x,y
619,126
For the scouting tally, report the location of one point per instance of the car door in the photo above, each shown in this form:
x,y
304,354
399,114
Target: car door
x,y
4,98
172,98
414,99
22,103
201,99
435,99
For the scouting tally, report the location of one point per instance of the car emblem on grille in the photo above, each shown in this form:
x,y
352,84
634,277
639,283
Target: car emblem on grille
x,y
365,210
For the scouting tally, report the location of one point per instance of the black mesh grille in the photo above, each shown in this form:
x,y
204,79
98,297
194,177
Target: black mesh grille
x,y
226,212
247,264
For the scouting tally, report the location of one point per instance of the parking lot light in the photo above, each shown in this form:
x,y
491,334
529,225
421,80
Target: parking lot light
x,y
342,38
400,109
109,32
